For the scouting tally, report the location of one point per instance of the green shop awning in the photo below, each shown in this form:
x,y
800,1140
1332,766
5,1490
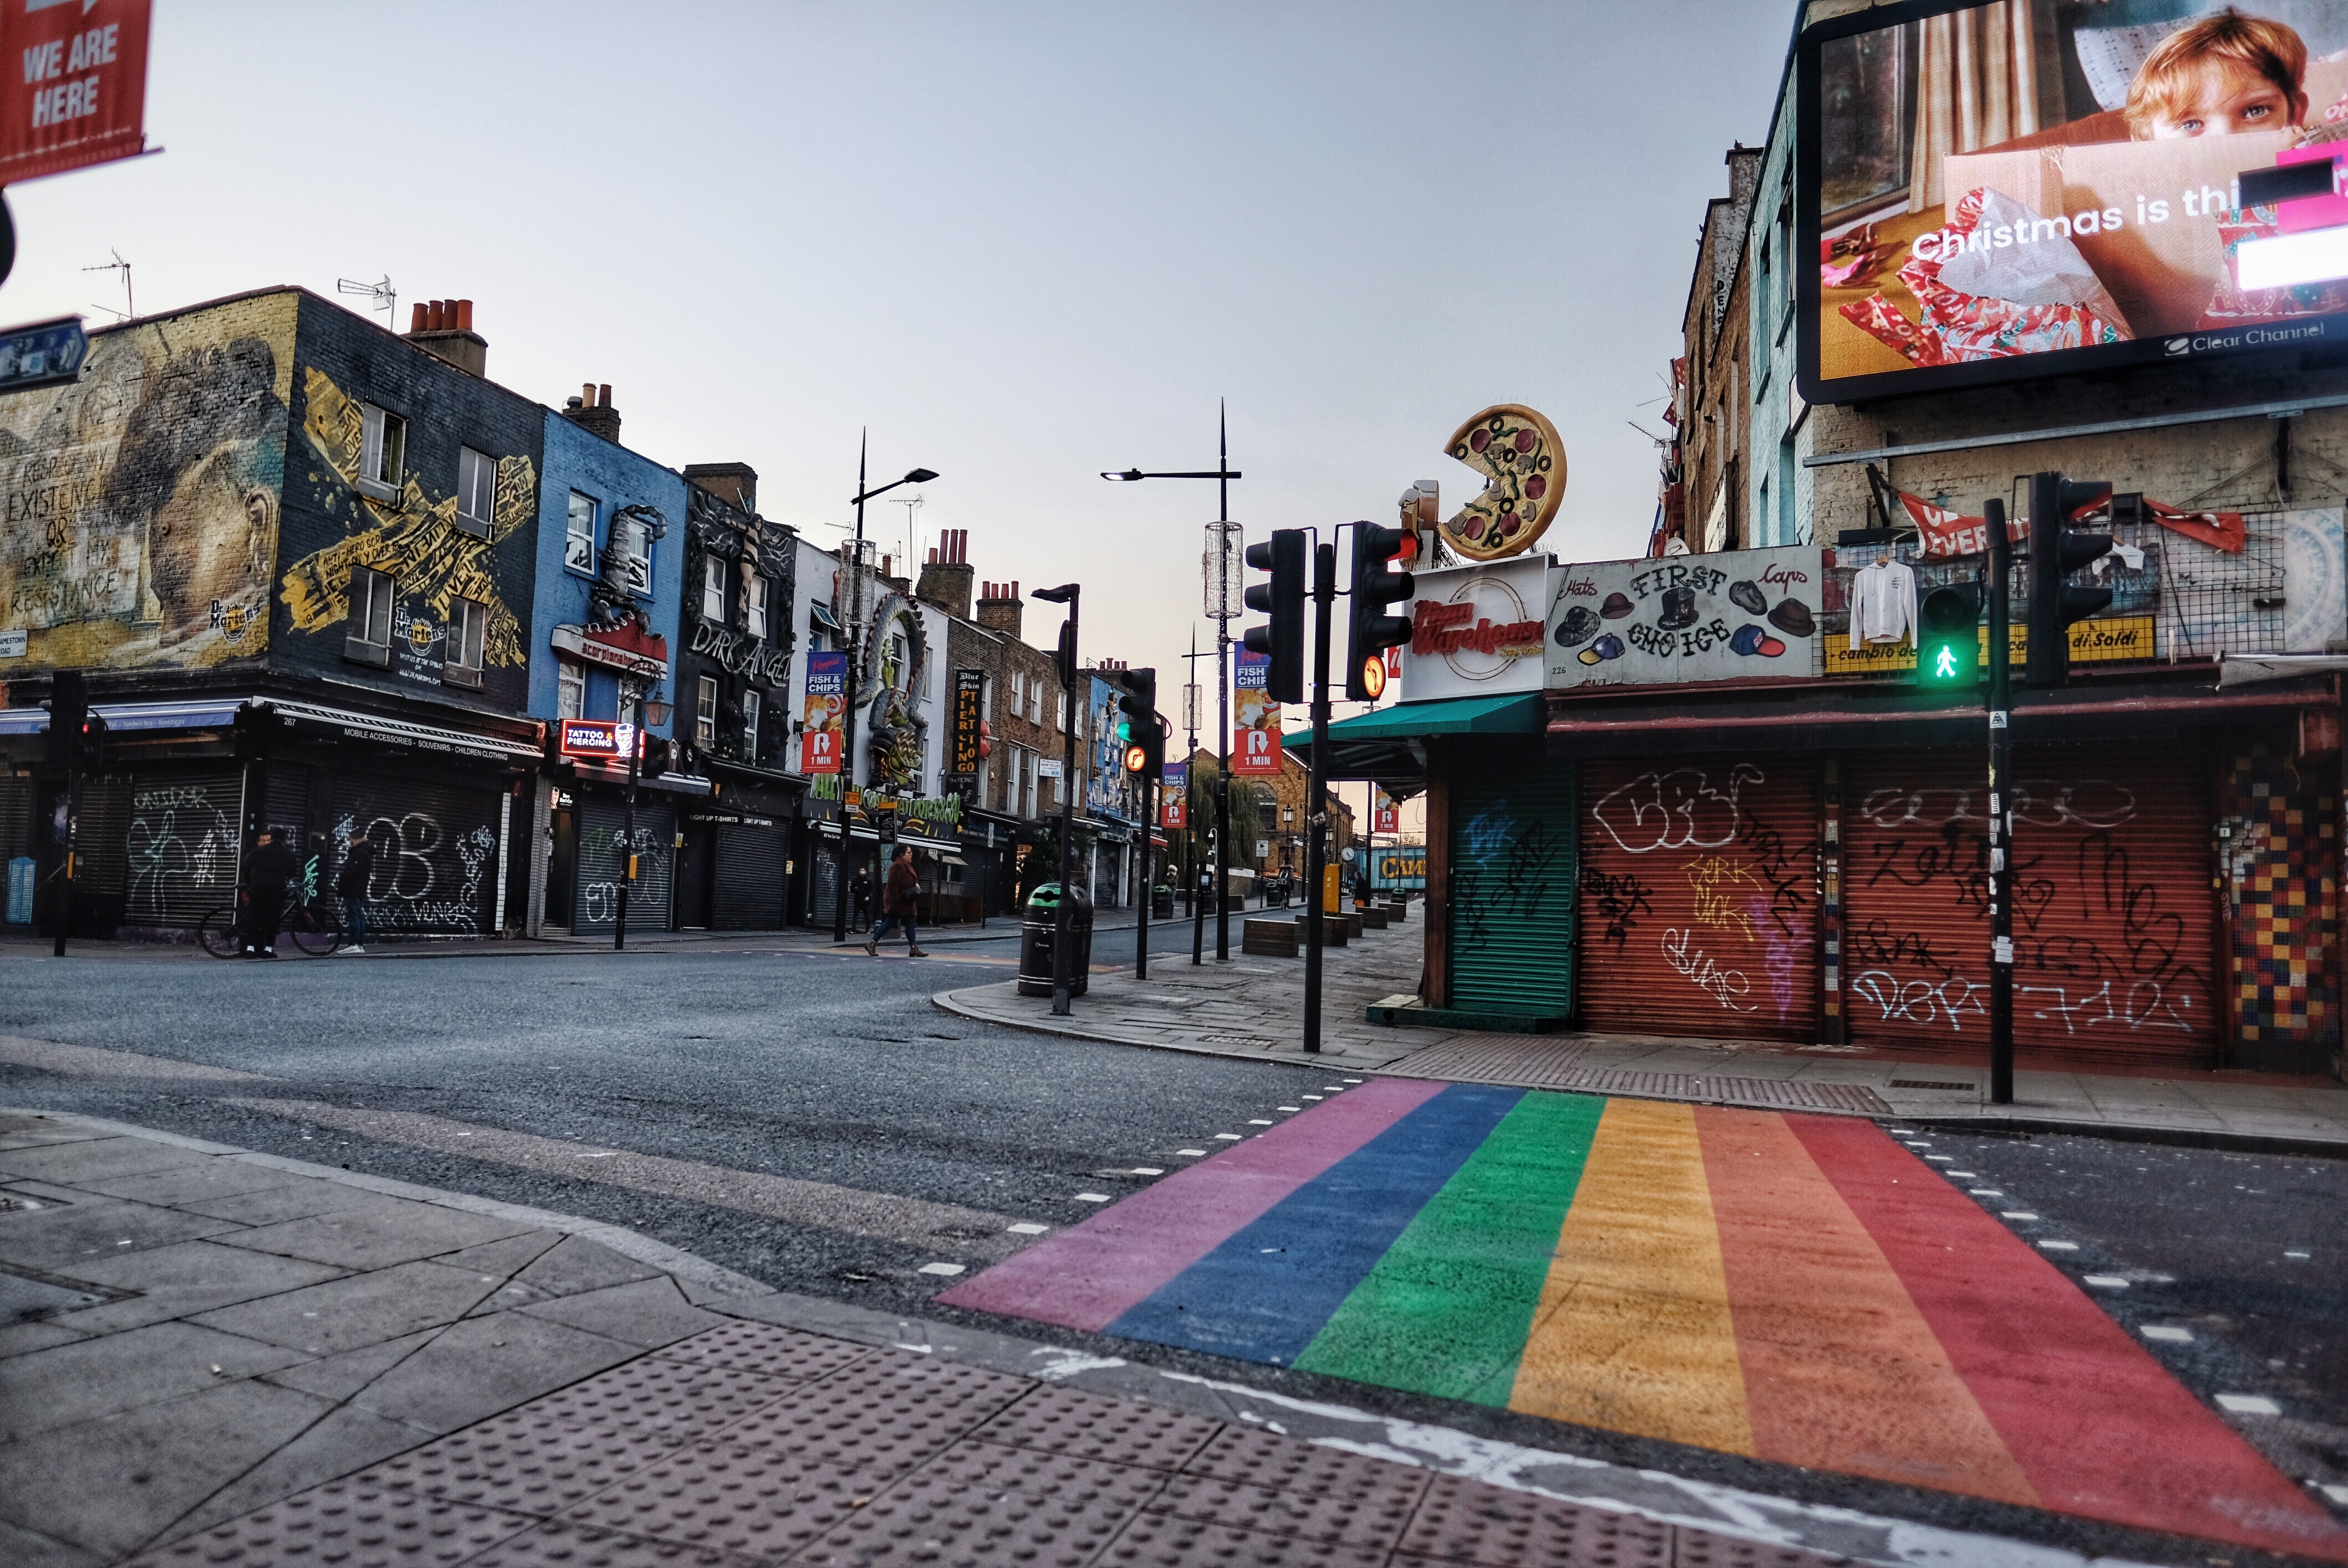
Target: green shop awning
x,y
1389,746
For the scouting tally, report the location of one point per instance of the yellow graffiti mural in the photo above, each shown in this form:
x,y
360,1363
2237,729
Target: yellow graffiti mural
x,y
139,505
415,541
1711,876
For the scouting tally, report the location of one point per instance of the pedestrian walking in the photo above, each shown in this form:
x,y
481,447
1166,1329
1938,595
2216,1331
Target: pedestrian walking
x,y
860,890
899,900
261,894
351,887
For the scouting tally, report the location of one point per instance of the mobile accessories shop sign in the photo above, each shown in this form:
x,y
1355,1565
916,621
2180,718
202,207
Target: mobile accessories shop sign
x,y
75,90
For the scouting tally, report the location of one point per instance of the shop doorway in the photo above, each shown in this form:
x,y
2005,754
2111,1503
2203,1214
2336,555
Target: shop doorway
x,y
562,862
695,875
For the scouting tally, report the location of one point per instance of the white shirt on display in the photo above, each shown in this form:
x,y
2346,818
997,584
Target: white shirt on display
x,y
1882,603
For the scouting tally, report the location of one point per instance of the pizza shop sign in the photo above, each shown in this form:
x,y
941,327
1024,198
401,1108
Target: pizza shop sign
x,y
1476,631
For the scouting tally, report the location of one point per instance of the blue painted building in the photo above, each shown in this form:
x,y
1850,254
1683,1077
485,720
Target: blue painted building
x,y
611,553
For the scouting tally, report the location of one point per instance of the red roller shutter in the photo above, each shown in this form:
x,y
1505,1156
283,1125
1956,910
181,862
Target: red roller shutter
x,y
2115,923
1700,896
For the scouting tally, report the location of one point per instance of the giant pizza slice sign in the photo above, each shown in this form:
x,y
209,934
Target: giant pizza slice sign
x,y
1519,454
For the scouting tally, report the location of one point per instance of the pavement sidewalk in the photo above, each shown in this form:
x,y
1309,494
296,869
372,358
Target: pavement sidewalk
x,y
1252,1007
208,1354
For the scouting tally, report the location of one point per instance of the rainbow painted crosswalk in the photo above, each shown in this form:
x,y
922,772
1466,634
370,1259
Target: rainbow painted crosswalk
x,y
1798,1288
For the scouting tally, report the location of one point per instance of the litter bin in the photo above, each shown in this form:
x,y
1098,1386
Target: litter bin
x,y
1161,903
1035,942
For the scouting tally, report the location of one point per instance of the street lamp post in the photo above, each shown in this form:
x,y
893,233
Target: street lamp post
x,y
855,626
1063,977
639,679
1225,609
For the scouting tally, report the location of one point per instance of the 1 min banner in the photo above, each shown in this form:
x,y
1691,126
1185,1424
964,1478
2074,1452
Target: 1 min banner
x,y
1255,737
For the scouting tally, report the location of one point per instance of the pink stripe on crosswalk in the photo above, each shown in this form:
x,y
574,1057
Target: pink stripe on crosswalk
x,y
1091,1274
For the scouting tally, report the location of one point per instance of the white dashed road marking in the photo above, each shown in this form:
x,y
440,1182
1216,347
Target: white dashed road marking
x,y
948,1269
2250,1405
2016,1215
2105,1281
1026,1228
2166,1335
1092,1197
2060,1245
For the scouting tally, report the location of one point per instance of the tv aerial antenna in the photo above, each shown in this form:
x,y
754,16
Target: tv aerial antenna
x,y
128,300
381,296
913,504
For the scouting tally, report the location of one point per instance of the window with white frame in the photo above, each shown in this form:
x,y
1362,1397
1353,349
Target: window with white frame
x,y
1060,713
383,452
750,724
755,599
468,626
713,589
569,692
705,714
367,637
634,538
476,492
579,535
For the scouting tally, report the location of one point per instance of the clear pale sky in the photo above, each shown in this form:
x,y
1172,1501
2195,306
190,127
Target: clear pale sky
x,y
1022,243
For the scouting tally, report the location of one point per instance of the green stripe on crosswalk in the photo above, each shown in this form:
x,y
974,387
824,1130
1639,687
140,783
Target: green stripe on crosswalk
x,y
1446,1310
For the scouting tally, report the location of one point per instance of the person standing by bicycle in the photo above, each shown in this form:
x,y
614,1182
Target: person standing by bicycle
x,y
351,887
261,891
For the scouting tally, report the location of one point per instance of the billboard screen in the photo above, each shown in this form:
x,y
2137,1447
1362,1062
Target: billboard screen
x,y
2026,188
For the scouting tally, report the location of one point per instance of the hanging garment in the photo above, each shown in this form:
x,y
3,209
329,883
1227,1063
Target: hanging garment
x,y
1882,603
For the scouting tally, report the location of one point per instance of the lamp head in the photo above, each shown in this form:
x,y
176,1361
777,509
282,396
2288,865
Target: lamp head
x,y
1130,474
1060,595
657,712
921,475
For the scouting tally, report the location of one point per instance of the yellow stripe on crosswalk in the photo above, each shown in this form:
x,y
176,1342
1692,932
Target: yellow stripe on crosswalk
x,y
1633,1333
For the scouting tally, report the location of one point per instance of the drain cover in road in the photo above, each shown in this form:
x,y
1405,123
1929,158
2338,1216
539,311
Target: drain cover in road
x,y
1798,1288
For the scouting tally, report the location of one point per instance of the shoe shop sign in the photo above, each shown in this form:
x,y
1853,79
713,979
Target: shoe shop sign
x,y
1476,631
1738,615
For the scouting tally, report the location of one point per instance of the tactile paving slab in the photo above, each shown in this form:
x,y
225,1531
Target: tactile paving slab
x,y
348,1524
1463,1521
1168,1540
1702,1549
1267,1458
767,1348
1061,1420
1371,1516
558,1544
877,1418
660,1400
989,1507
524,1461
746,1506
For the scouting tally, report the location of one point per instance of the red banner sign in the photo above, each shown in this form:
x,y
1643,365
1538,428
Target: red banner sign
x,y
820,751
1947,533
1385,818
72,90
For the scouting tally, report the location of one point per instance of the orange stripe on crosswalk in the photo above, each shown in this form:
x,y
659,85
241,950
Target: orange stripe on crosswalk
x,y
1841,1371
1633,1333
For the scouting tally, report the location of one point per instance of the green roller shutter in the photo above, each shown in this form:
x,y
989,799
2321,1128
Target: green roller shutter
x,y
1512,880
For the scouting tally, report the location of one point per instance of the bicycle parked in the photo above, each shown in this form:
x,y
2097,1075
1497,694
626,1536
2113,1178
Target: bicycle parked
x,y
311,921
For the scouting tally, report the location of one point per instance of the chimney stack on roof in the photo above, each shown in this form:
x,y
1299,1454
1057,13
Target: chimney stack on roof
x,y
445,328
946,580
1000,609
736,484
592,411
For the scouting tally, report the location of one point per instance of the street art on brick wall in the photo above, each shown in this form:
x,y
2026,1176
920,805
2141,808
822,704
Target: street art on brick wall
x,y
141,501
417,541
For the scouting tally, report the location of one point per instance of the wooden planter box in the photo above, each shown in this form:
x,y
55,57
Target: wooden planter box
x,y
1270,938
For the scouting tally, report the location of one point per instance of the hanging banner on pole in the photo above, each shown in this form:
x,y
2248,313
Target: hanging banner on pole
x,y
1255,736
1174,796
1384,818
75,90
970,689
826,710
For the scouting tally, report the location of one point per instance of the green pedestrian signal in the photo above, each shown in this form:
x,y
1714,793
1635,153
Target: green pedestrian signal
x,y
1947,637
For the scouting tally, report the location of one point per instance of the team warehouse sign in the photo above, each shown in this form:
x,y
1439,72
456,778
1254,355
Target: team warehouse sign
x,y
74,89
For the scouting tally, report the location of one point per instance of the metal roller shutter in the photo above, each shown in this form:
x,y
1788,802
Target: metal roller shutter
x,y
749,895
2114,923
435,852
1700,898
1512,894
603,864
182,847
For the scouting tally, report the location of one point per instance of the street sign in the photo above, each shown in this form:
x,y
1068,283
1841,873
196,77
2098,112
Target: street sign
x,y
1048,767
42,354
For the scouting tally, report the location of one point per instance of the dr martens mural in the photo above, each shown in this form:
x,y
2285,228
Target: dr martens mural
x,y
141,503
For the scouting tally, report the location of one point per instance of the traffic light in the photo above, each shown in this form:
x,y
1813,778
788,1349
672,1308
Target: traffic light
x,y
1369,630
69,706
1136,724
2055,552
1283,600
91,744
1947,637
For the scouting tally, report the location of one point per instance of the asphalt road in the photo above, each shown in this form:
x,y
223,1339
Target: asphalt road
x,y
749,1106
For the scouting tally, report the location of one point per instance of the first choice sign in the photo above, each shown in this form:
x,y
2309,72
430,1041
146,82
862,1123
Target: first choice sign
x,y
72,84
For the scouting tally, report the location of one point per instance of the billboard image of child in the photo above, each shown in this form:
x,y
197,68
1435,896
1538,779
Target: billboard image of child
x,y
2028,178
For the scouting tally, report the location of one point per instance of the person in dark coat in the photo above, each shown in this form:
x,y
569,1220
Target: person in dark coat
x,y
859,893
267,871
351,887
899,900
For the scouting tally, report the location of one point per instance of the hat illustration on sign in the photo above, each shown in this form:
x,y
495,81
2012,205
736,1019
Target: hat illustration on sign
x,y
1792,617
1617,605
1607,647
1679,609
1581,623
1751,640
1746,597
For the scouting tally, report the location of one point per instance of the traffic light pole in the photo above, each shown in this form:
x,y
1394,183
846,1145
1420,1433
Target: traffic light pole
x,y
2001,811
1062,975
1149,826
1316,807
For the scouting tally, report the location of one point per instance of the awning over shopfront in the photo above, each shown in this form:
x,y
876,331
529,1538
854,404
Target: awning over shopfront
x,y
210,713
360,726
1389,747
